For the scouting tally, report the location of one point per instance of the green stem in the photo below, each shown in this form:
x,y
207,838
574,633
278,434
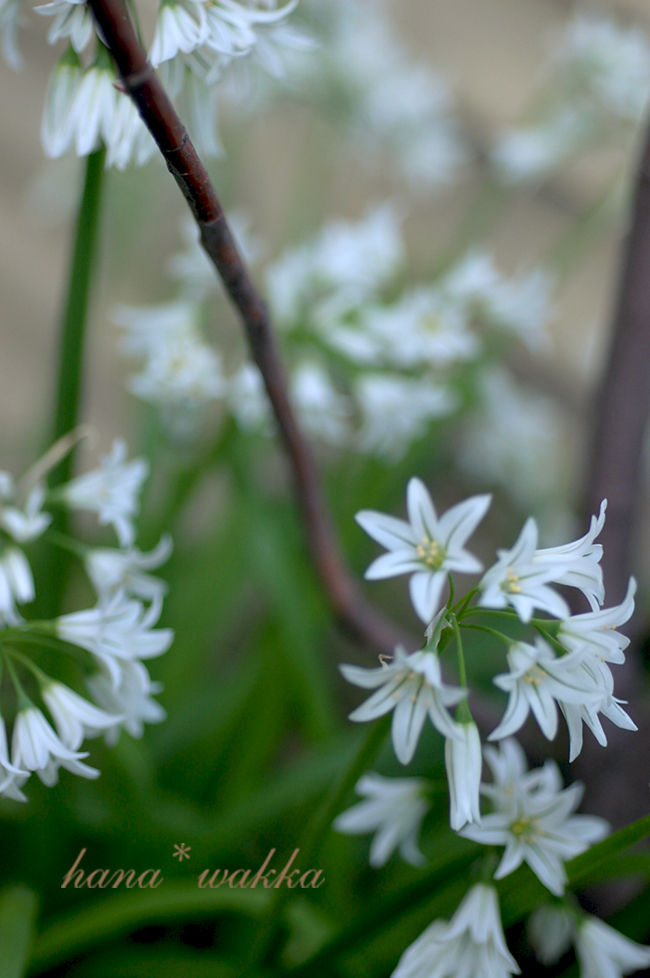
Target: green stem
x,y
75,310
270,929
71,357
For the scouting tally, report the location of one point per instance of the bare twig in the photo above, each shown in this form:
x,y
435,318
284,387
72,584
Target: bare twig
x,y
160,117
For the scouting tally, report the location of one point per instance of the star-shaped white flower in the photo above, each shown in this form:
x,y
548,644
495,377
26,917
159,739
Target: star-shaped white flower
x,y
411,685
428,547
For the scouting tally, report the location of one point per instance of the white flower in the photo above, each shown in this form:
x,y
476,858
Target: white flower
x,y
16,583
397,410
604,953
579,561
463,764
518,580
57,125
413,686
530,152
394,810
539,829
72,18
230,25
11,777
75,717
538,680
428,547
550,930
120,629
27,523
472,944
595,631
523,306
130,697
180,27
10,21
322,410
111,491
113,570
510,776
92,113
36,747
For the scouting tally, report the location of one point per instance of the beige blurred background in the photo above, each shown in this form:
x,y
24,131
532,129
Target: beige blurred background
x,y
491,52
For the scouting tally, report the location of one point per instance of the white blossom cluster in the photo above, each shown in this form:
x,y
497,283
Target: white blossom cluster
x,y
373,364
194,42
598,89
109,641
563,670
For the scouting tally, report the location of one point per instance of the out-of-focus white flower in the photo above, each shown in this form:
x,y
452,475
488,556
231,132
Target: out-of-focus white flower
x,y
57,125
396,410
74,716
111,491
92,112
36,747
538,680
230,24
605,953
463,765
471,944
129,140
11,777
522,305
550,929
323,412
23,523
72,19
16,583
530,152
510,776
112,570
538,827
606,61
247,401
393,810
428,547
412,685
120,629
10,21
180,27
130,697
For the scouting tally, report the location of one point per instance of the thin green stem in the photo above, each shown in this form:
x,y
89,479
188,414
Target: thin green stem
x,y
507,639
463,713
71,354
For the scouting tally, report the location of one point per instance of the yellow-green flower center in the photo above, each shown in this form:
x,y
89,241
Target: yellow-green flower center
x,y
512,582
525,828
430,553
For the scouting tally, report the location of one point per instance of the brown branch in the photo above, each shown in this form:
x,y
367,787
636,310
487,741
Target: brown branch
x,y
159,115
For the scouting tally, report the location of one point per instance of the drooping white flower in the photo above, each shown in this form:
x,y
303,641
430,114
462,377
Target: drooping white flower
x,y
428,547
130,697
230,24
11,777
463,765
110,491
538,828
119,629
57,125
322,410
472,944
605,953
36,747
72,19
75,717
16,583
412,685
92,112
537,681
550,930
393,810
595,632
530,152
180,27
10,21
112,570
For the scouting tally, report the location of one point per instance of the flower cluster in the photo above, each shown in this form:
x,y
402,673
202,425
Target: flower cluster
x,y
599,85
108,641
194,42
372,367
563,670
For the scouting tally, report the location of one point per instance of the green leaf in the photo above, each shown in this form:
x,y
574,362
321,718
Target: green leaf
x,y
17,914
110,917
